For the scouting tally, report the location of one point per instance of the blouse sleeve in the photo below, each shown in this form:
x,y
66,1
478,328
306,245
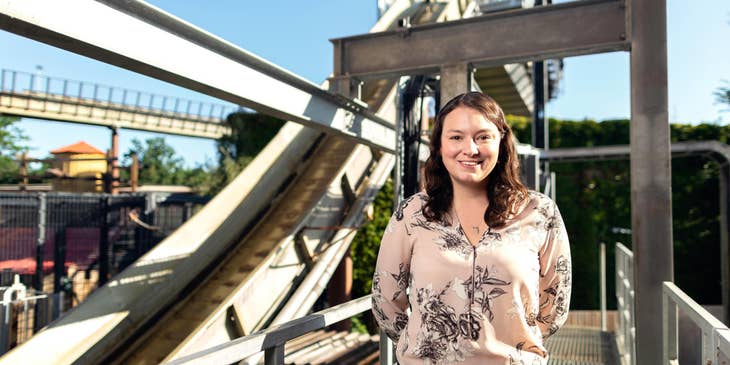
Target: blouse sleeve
x,y
555,276
391,278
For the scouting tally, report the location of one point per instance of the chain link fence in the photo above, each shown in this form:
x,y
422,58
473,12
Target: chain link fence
x,y
61,246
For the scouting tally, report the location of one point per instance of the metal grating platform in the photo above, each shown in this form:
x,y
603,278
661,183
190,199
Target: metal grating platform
x,y
582,346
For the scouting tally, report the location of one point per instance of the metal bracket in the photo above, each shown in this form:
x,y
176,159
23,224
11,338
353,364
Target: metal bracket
x,y
300,246
347,192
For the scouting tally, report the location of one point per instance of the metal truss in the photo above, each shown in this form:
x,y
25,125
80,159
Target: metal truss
x,y
552,31
144,39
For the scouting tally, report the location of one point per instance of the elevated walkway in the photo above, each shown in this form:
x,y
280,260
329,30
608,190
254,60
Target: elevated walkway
x,y
42,97
574,345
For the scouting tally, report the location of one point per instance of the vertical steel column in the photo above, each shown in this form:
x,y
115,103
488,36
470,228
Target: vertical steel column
x,y
398,171
539,125
651,203
41,239
114,162
274,355
455,79
539,82
602,280
104,258
59,259
5,311
339,288
724,246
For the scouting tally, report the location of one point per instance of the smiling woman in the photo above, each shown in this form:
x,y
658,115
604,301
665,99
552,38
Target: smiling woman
x,y
483,264
468,148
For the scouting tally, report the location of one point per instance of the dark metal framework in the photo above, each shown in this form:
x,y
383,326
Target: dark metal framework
x,y
568,29
89,230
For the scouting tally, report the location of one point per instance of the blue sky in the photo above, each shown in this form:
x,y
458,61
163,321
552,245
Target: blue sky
x,y
295,36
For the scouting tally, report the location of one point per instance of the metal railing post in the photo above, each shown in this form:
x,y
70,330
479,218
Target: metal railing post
x,y
272,341
40,241
602,259
5,309
625,303
723,346
387,356
669,330
715,334
104,242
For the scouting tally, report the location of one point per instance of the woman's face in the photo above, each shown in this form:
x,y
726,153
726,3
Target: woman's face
x,y
469,146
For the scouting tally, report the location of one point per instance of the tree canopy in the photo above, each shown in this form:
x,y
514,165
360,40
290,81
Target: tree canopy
x,y
722,95
250,134
11,144
160,165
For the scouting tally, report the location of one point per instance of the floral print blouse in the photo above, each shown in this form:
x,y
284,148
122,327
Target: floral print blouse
x,y
444,300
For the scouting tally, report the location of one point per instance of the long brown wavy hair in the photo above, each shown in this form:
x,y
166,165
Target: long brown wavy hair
x,y
504,190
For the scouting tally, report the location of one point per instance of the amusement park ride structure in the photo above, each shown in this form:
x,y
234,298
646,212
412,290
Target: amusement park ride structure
x,y
364,136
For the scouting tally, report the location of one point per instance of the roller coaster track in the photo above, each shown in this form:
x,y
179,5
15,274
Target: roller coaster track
x,y
236,266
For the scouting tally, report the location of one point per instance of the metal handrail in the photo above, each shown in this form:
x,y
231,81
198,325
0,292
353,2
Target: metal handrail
x,y
46,87
626,336
272,340
715,335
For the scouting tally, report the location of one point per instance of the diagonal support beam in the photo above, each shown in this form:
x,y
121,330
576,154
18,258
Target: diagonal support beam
x,y
141,38
552,31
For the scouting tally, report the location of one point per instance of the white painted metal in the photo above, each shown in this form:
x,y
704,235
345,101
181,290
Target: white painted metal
x,y
625,337
316,281
244,347
522,83
486,6
161,46
49,98
47,107
715,335
155,280
602,278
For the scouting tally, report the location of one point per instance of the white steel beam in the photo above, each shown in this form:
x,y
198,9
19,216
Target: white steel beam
x,y
139,37
551,31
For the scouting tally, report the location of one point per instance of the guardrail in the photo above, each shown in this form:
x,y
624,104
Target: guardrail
x,y
43,86
715,335
626,336
23,312
272,340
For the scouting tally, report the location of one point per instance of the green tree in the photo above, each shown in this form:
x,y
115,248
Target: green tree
x,y
159,162
364,251
250,134
722,95
11,144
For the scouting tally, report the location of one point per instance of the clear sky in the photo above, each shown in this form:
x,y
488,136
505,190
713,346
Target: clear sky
x,y
295,35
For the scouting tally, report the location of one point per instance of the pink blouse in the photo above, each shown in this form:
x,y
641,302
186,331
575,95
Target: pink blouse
x,y
490,303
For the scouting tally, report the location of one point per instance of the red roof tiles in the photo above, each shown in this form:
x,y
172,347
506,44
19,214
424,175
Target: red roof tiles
x,y
78,147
